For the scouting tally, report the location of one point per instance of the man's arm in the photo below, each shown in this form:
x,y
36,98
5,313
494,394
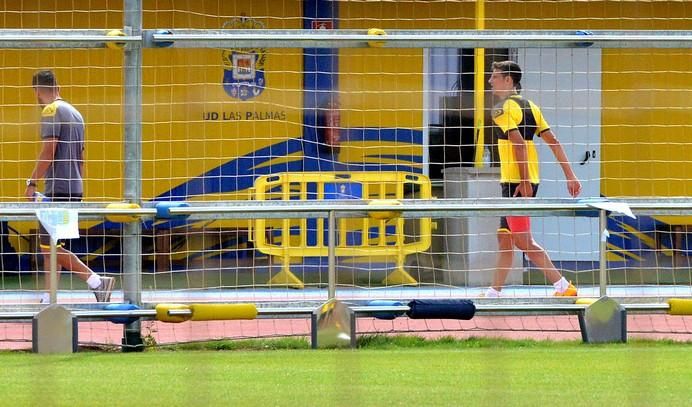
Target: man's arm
x,y
521,157
45,159
573,184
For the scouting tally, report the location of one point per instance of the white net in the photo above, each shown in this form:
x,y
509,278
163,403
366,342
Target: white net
x,y
215,120
15,335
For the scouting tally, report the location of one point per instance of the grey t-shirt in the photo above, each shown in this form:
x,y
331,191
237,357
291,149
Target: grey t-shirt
x,y
62,121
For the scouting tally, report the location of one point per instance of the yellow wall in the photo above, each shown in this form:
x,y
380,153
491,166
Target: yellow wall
x,y
91,80
647,133
184,85
588,15
384,87
180,87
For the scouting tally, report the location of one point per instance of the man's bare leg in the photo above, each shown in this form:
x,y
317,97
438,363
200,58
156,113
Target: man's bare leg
x,y
505,255
537,254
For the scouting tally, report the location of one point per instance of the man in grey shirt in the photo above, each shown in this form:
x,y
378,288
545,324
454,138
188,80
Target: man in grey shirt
x,y
61,164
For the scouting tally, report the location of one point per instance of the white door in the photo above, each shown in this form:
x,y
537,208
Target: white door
x,y
566,84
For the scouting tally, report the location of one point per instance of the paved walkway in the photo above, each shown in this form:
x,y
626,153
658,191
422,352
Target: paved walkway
x,y
9,299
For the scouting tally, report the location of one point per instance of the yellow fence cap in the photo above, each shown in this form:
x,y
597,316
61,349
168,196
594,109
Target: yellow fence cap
x,y
124,218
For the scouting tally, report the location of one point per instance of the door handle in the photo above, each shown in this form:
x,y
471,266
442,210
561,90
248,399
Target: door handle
x,y
588,155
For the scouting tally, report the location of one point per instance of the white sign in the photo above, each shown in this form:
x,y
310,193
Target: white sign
x,y
617,207
59,223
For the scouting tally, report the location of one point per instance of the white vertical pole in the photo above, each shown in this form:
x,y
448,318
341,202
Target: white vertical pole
x,y
602,269
331,255
53,277
426,111
479,89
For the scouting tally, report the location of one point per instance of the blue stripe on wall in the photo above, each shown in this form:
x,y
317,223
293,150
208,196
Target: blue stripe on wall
x,y
320,80
399,135
399,157
238,174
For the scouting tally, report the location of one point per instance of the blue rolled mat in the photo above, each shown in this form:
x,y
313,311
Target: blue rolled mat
x,y
121,307
386,314
441,309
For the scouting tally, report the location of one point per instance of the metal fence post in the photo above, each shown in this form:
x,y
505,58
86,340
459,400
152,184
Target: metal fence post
x,y
602,245
331,255
132,245
53,276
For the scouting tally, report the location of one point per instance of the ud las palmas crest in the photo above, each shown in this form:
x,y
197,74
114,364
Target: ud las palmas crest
x,y
243,68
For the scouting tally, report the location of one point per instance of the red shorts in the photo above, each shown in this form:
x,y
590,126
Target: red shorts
x,y
516,224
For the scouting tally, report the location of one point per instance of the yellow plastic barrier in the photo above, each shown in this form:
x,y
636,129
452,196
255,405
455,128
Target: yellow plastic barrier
x,y
680,306
219,312
162,313
585,301
381,234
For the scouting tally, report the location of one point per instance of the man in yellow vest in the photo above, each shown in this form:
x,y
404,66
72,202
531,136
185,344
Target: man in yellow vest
x,y
516,121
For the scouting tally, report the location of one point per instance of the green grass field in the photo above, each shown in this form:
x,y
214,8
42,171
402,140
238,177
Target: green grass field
x,y
382,372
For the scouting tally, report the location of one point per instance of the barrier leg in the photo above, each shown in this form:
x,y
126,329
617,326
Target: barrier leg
x,y
333,326
285,277
132,340
604,321
54,330
399,277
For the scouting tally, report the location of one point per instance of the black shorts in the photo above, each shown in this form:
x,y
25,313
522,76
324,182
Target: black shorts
x,y
516,223
43,236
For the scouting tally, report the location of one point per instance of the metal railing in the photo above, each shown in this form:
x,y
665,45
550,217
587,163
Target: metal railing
x,y
340,38
495,309
410,208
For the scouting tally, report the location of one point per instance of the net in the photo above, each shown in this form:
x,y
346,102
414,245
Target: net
x,y
217,119
17,335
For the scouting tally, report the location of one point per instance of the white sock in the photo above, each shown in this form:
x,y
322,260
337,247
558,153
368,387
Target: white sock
x,y
45,298
492,293
94,281
561,285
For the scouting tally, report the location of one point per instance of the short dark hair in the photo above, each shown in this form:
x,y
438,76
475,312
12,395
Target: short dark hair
x,y
511,69
44,78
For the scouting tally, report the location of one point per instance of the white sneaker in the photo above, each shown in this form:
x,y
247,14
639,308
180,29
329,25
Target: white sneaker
x,y
103,291
492,293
